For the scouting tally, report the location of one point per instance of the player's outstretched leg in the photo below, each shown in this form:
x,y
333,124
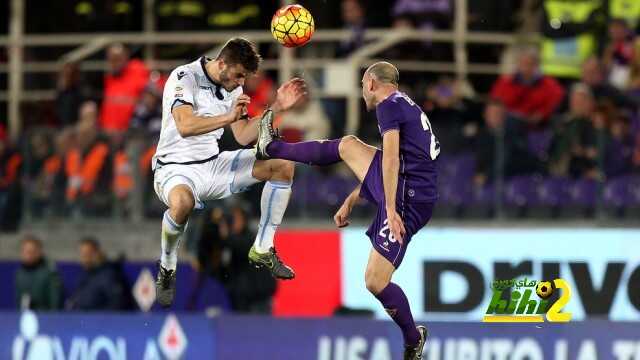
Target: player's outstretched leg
x,y
356,154
322,152
174,222
278,175
395,302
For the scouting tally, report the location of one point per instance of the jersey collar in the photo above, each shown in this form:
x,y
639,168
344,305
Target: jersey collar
x,y
203,61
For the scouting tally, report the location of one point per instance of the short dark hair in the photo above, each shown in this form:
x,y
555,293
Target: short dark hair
x,y
241,51
495,101
91,241
30,238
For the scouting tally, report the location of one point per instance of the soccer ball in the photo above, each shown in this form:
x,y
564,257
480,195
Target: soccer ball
x,y
292,25
545,289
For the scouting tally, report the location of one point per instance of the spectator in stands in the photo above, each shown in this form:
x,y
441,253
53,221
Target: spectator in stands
x,y
570,32
573,146
220,252
123,172
250,289
40,149
38,285
422,15
594,77
635,155
618,53
102,286
633,87
353,20
88,164
10,185
501,147
425,14
627,10
123,85
616,145
207,246
262,92
448,112
306,122
147,116
528,94
69,94
50,184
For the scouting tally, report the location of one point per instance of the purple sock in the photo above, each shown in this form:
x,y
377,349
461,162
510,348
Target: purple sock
x,y
397,306
324,152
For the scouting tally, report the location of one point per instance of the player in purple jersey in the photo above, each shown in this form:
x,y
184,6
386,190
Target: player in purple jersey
x,y
401,179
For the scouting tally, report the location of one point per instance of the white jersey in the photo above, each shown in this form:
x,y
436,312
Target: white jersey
x,y
190,84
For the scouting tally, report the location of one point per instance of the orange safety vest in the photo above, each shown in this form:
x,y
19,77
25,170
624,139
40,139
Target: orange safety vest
x,y
12,170
83,173
121,94
122,175
52,165
145,160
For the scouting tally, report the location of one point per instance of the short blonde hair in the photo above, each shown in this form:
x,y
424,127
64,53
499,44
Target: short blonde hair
x,y
384,72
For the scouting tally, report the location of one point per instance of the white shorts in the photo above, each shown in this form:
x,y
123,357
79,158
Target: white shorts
x,y
229,173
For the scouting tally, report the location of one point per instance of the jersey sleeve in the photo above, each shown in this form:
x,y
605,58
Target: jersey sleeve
x,y
389,115
184,88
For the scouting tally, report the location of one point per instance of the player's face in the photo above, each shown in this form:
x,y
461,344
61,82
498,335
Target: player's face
x,y
232,76
367,93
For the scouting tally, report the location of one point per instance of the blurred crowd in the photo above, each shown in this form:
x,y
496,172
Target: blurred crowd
x,y
39,286
220,276
568,110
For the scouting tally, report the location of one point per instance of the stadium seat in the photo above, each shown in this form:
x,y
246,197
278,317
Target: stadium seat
x,y
553,191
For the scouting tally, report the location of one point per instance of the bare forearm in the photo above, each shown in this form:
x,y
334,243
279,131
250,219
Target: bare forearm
x,y
352,199
193,125
246,132
391,167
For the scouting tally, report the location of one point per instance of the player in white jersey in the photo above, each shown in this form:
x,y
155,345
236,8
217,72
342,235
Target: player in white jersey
x,y
199,100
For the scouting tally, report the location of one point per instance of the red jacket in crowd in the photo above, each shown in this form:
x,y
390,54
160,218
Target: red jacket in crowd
x,y
540,97
121,92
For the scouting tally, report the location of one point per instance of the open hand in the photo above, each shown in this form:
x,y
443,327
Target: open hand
x,y
396,225
290,94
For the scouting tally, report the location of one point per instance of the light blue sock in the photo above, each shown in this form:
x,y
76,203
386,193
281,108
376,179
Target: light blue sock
x,y
171,235
273,204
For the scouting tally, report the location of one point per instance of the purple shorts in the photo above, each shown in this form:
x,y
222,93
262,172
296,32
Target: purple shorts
x,y
415,215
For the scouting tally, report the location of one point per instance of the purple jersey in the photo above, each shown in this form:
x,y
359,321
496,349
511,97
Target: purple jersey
x,y
419,147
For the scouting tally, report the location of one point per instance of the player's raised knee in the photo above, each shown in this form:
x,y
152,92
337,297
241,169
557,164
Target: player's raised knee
x,y
181,203
283,170
347,143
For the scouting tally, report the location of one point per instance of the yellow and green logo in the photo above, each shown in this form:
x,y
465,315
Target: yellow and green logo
x,y
525,306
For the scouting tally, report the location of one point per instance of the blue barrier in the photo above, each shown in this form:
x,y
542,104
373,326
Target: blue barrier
x,y
168,336
105,336
189,297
